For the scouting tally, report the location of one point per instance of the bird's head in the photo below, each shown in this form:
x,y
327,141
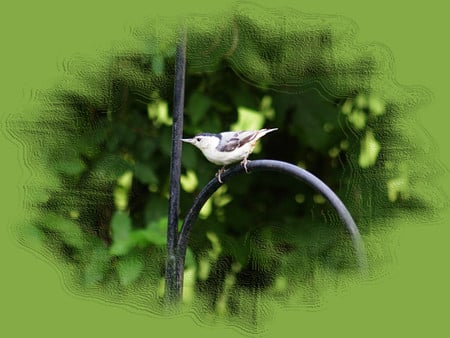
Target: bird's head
x,y
204,141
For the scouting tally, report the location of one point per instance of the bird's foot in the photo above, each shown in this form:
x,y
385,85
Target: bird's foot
x,y
244,163
220,172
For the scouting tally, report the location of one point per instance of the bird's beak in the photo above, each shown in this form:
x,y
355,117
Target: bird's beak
x,y
188,140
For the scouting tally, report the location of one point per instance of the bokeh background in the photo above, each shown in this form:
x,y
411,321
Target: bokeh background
x,y
78,166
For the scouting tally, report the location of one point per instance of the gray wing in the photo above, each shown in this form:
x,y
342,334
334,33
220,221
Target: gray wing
x,y
232,140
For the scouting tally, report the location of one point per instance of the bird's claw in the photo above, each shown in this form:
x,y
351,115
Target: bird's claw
x,y
221,170
244,164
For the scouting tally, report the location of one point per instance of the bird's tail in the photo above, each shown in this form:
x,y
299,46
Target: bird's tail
x,y
264,131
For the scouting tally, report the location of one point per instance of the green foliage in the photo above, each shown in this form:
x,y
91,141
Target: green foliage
x,y
121,234
259,232
129,268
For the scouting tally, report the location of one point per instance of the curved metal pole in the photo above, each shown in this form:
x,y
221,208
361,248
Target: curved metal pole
x,y
286,168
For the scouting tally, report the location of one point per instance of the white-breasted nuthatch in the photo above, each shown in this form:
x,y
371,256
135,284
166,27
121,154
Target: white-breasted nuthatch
x,y
228,147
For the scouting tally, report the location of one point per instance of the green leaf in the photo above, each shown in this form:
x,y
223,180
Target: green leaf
x,y
156,231
97,265
309,115
376,106
120,226
189,182
190,259
158,64
361,101
120,248
120,195
109,167
158,112
72,167
125,180
358,119
145,173
216,249
398,187
347,107
70,231
139,238
197,106
248,120
121,234
369,150
129,268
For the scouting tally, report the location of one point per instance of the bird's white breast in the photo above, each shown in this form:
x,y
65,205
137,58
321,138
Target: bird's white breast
x,y
228,157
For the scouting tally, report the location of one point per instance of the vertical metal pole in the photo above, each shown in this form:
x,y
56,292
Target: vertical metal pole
x,y
173,277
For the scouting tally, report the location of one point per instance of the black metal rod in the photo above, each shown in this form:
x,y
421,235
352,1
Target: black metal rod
x,y
173,283
286,168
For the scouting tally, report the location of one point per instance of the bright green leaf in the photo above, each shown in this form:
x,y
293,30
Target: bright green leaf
x,y
376,106
221,198
347,107
248,120
125,180
280,284
206,209
189,182
358,119
399,186
158,111
120,195
361,101
369,150
204,268
216,249
189,280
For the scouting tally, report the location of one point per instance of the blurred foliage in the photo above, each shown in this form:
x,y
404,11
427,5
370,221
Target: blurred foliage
x,y
108,152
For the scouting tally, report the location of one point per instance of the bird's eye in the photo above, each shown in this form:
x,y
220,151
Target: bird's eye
x,y
198,139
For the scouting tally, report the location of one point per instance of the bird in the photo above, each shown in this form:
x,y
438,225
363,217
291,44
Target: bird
x,y
228,147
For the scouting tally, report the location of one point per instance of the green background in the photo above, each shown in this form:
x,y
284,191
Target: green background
x,y
412,299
